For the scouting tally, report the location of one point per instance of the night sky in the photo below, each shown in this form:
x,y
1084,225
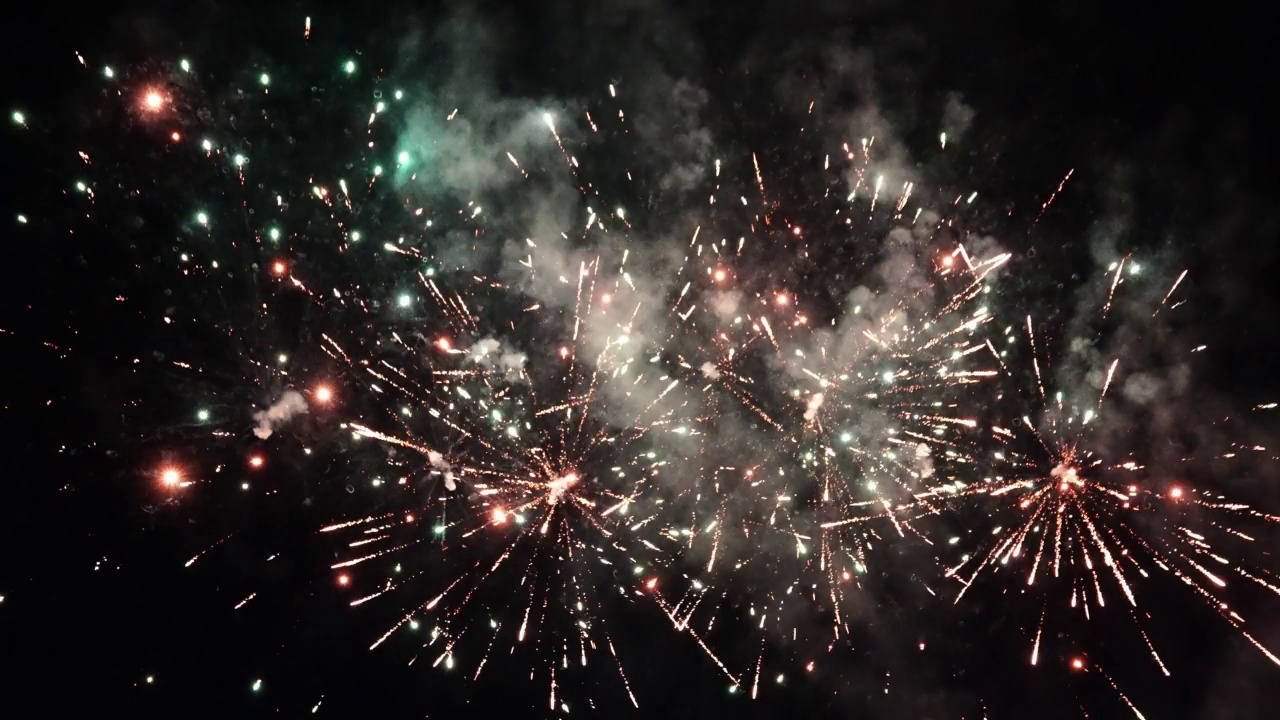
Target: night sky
x,y
163,317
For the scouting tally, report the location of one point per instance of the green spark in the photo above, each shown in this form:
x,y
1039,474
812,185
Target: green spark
x,y
349,67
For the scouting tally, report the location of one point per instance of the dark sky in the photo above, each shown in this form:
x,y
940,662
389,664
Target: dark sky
x,y
1162,116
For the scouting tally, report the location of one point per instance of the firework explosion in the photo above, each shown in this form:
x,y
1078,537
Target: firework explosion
x,y
564,410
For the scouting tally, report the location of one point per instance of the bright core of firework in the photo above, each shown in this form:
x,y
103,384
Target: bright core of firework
x,y
1066,475
557,488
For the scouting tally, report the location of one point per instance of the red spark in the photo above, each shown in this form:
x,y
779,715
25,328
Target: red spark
x,y
256,461
170,476
278,267
344,579
323,394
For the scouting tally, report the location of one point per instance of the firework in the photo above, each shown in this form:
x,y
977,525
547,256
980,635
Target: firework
x,y
547,417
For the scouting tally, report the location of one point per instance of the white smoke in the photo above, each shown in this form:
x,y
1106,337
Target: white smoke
x,y
815,403
710,370
494,354
440,464
924,460
292,403
725,304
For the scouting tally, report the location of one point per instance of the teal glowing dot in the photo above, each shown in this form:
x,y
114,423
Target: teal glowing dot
x,y
203,415
404,158
81,187
202,218
240,160
399,94
413,624
107,71
355,236
405,300
186,66
439,529
207,145
274,233
19,118
265,79
380,107
845,437
349,66
377,170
